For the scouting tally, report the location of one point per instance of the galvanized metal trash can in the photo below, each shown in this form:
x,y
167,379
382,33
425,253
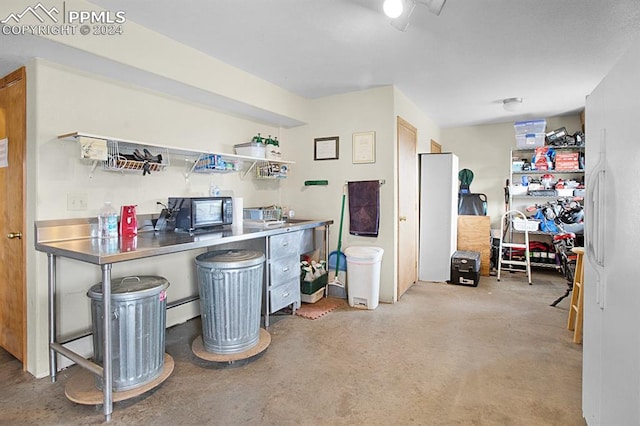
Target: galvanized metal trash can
x,y
138,323
230,285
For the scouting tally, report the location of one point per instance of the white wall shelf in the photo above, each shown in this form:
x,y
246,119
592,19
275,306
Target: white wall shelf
x,y
126,155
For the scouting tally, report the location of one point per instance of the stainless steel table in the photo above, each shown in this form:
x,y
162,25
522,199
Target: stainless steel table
x,y
76,239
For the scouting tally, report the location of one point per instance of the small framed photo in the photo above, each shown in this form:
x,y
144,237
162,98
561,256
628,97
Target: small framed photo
x,y
326,148
364,147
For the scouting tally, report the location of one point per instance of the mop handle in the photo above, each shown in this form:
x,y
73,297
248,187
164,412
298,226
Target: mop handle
x,y
340,234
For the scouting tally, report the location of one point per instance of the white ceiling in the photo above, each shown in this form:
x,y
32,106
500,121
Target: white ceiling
x,y
457,67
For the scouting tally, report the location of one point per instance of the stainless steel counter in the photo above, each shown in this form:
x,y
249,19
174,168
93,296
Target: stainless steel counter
x,y
73,239
77,239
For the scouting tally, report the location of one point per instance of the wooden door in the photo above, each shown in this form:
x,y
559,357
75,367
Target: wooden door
x,y
436,148
407,206
12,220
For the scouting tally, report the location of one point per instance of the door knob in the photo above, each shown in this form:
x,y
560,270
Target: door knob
x,y
13,235
403,218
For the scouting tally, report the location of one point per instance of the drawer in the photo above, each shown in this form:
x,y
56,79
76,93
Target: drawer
x,y
284,269
284,295
284,244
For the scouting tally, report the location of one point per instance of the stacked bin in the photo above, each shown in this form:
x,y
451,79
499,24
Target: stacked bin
x,y
230,286
138,322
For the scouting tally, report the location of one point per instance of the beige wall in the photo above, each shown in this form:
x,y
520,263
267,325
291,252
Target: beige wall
x,y
427,128
486,150
63,100
343,115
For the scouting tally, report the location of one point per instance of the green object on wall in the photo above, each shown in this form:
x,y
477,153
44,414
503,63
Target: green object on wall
x,y
315,182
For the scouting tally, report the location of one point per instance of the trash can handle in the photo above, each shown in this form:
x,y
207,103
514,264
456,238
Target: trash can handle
x,y
130,278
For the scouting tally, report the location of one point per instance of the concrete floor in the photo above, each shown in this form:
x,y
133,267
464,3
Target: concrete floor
x,y
497,354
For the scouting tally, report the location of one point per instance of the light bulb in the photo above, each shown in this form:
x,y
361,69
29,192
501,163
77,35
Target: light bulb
x,y
392,8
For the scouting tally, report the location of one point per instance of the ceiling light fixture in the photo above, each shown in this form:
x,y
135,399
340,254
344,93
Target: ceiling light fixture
x,y
392,8
400,10
512,104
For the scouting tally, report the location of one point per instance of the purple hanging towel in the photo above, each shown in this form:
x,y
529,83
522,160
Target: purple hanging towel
x,y
364,208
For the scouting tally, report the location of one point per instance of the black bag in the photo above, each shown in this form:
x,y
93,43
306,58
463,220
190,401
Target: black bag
x,y
472,204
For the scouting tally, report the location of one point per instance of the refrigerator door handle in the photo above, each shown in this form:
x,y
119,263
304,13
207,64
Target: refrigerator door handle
x,y
595,237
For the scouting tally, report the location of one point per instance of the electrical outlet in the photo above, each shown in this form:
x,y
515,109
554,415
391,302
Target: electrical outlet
x,y
77,201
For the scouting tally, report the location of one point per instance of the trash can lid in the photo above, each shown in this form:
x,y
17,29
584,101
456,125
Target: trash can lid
x,y
364,253
230,259
131,287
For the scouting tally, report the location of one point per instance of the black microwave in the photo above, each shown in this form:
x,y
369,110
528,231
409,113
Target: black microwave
x,y
193,213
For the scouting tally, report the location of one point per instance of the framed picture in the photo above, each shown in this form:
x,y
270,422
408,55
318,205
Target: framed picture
x,y
364,147
326,148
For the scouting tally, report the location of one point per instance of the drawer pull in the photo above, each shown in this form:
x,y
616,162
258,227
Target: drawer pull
x,y
285,269
286,243
285,294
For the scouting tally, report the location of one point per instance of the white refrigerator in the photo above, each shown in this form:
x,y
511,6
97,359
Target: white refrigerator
x,y
438,215
611,333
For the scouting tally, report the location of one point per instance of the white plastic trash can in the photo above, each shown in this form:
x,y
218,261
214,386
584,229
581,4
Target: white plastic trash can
x,y
363,275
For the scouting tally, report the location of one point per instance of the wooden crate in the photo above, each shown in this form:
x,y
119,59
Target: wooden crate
x,y
474,234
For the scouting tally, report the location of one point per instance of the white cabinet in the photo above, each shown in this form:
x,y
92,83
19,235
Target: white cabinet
x,y
438,215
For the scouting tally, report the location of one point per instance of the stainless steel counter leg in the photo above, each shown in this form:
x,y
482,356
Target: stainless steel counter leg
x,y
107,377
267,283
326,244
51,283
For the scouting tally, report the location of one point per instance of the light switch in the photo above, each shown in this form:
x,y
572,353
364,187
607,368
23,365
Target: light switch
x,y
77,201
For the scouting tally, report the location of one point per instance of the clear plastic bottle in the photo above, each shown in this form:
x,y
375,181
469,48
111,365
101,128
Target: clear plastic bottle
x,y
107,221
214,190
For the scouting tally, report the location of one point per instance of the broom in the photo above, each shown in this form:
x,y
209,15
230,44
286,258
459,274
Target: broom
x,y
336,280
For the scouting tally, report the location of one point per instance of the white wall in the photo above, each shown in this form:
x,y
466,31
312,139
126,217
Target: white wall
x,y
62,100
486,150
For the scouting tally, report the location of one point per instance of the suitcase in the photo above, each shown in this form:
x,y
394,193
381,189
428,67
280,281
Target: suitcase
x,y
465,268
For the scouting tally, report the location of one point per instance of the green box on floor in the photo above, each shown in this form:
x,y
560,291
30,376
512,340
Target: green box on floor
x,y
310,287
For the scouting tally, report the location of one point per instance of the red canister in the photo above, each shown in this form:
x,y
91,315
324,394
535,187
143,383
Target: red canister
x,y
128,221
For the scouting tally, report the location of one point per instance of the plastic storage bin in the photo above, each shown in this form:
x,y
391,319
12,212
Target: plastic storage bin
x,y
525,225
230,285
251,149
529,140
363,274
530,126
138,324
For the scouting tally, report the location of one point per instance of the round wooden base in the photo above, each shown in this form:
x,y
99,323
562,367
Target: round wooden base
x,y
199,350
81,387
